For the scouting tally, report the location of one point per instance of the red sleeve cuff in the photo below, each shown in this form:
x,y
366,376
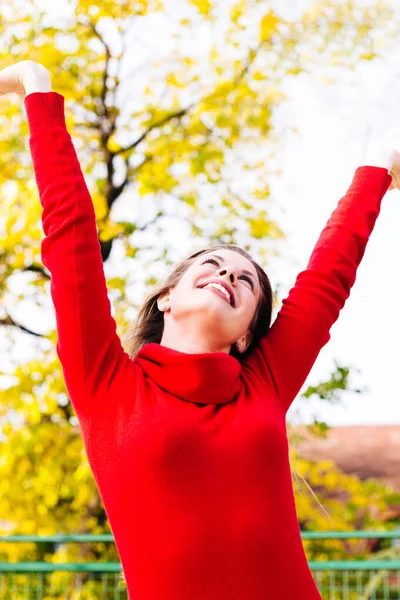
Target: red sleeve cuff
x,y
378,184
44,110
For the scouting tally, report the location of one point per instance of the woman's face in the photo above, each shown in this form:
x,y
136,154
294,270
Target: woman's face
x,y
202,317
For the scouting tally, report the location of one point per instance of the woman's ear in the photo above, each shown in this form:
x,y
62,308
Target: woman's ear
x,y
163,302
244,342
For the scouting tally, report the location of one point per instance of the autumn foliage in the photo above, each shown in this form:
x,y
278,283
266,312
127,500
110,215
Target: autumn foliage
x,y
178,149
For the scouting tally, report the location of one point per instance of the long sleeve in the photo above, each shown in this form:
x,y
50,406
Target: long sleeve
x,y
88,346
288,351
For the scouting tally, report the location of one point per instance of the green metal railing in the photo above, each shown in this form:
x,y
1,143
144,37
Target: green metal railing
x,y
337,580
370,579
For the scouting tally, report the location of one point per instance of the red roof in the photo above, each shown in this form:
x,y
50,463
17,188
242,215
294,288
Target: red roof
x,y
363,450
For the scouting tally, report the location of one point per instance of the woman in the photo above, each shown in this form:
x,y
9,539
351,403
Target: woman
x,y
185,433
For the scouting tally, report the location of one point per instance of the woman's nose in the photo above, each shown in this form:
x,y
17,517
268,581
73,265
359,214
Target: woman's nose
x,y
231,272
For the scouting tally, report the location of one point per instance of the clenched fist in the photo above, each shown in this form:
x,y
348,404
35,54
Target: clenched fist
x,y
395,170
25,77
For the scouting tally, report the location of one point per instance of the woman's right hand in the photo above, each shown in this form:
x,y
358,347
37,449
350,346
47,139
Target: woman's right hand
x,y
395,170
24,78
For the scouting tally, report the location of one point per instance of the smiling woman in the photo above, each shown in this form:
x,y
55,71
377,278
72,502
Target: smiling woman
x,y
185,433
177,316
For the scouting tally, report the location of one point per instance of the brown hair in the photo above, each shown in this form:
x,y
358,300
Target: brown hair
x,y
148,325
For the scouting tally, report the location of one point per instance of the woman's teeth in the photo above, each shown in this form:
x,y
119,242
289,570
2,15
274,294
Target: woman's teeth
x,y
220,288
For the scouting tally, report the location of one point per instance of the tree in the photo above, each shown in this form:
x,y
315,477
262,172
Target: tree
x,y
179,140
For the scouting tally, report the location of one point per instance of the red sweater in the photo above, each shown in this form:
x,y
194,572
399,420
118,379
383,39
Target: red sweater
x,y
189,451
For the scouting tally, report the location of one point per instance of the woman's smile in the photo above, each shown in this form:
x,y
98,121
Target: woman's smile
x,y
220,294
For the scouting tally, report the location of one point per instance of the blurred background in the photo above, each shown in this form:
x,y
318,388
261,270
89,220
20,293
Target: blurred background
x,y
199,122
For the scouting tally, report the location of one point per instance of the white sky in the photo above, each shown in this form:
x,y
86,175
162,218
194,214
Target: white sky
x,y
318,165
318,169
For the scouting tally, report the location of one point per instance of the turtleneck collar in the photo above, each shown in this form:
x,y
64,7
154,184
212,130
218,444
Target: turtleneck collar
x,y
209,378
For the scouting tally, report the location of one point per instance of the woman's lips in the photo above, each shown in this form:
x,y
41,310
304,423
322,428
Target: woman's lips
x,y
221,294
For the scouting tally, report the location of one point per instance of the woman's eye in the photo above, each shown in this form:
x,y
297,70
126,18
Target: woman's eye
x,y
247,279
210,260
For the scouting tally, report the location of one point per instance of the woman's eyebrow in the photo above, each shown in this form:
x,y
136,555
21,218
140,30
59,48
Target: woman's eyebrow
x,y
243,270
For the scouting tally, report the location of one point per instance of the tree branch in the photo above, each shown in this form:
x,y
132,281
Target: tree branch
x,y
35,268
181,113
105,74
113,192
9,321
177,115
251,58
105,247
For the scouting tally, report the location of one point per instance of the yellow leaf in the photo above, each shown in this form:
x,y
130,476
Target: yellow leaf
x,y
100,205
203,6
113,145
171,79
260,194
237,10
269,24
258,228
19,260
259,76
368,56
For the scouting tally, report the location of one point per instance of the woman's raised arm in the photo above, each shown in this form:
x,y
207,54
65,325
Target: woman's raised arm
x,y
287,353
88,347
